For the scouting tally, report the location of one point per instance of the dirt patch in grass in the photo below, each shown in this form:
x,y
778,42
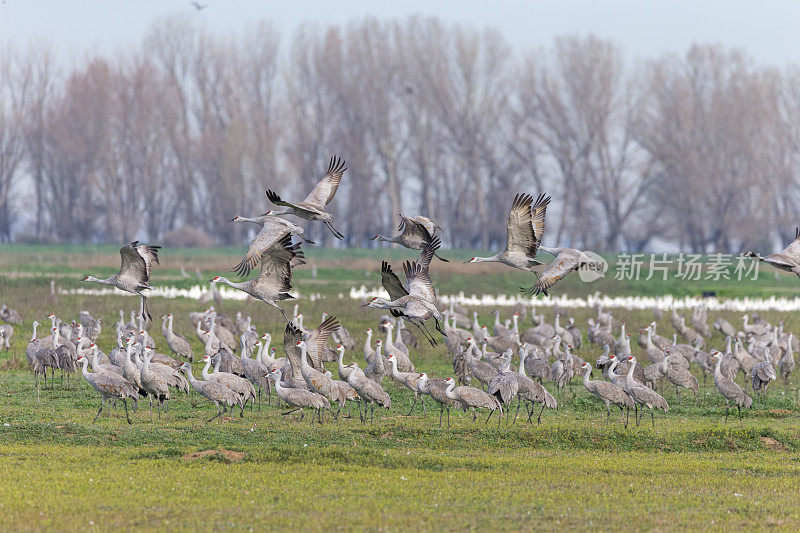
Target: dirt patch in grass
x,y
772,444
228,456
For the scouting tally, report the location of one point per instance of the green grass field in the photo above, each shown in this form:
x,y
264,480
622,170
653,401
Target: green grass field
x,y
267,471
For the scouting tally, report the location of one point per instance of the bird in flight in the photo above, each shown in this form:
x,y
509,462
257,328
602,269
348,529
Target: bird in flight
x,y
197,5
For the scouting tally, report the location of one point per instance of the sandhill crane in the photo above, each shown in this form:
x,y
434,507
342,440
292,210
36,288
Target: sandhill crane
x,y
725,327
415,233
728,388
109,386
237,384
533,392
403,361
299,398
6,332
643,395
504,387
786,363
275,278
787,259
483,371
155,383
317,381
436,388
761,374
409,380
536,367
177,342
313,207
368,390
566,260
197,5
134,274
254,370
217,393
369,352
607,392
679,376
40,358
472,398
273,229
9,315
344,371
375,370
417,303
525,228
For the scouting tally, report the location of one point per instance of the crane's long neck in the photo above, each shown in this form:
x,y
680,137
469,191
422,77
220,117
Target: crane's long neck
x,y
522,365
449,391
389,328
35,324
629,377
497,318
169,325
393,364
190,377
230,283
260,354
206,367
586,382
304,367
85,369
368,342
379,357
491,259
515,318
340,360
384,238
255,220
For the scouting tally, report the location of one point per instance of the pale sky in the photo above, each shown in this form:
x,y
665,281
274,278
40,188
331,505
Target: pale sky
x,y
766,29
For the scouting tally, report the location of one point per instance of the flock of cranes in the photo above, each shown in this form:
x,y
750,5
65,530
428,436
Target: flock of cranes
x,y
494,369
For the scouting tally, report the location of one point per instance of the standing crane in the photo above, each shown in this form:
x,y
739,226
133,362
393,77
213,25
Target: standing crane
x,y
728,388
607,392
222,397
110,386
642,395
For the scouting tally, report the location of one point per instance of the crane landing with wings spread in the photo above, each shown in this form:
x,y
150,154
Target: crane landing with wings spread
x,y
416,300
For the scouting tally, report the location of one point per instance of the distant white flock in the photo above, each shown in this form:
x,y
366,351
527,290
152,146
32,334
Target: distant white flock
x,y
502,300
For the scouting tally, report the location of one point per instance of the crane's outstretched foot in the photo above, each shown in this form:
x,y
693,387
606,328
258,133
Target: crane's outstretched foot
x,y
437,256
336,233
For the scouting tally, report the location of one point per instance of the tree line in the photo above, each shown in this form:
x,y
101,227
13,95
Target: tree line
x,y
187,129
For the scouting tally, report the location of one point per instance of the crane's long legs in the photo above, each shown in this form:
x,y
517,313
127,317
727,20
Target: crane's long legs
x,y
103,401
652,420
125,403
416,397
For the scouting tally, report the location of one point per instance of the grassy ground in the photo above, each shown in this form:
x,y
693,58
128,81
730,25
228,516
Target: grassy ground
x,y
64,472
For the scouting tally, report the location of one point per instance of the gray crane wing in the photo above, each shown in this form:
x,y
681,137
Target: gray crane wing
x,y
276,274
291,336
432,227
391,282
563,264
791,251
538,212
319,337
520,236
136,261
271,232
325,190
